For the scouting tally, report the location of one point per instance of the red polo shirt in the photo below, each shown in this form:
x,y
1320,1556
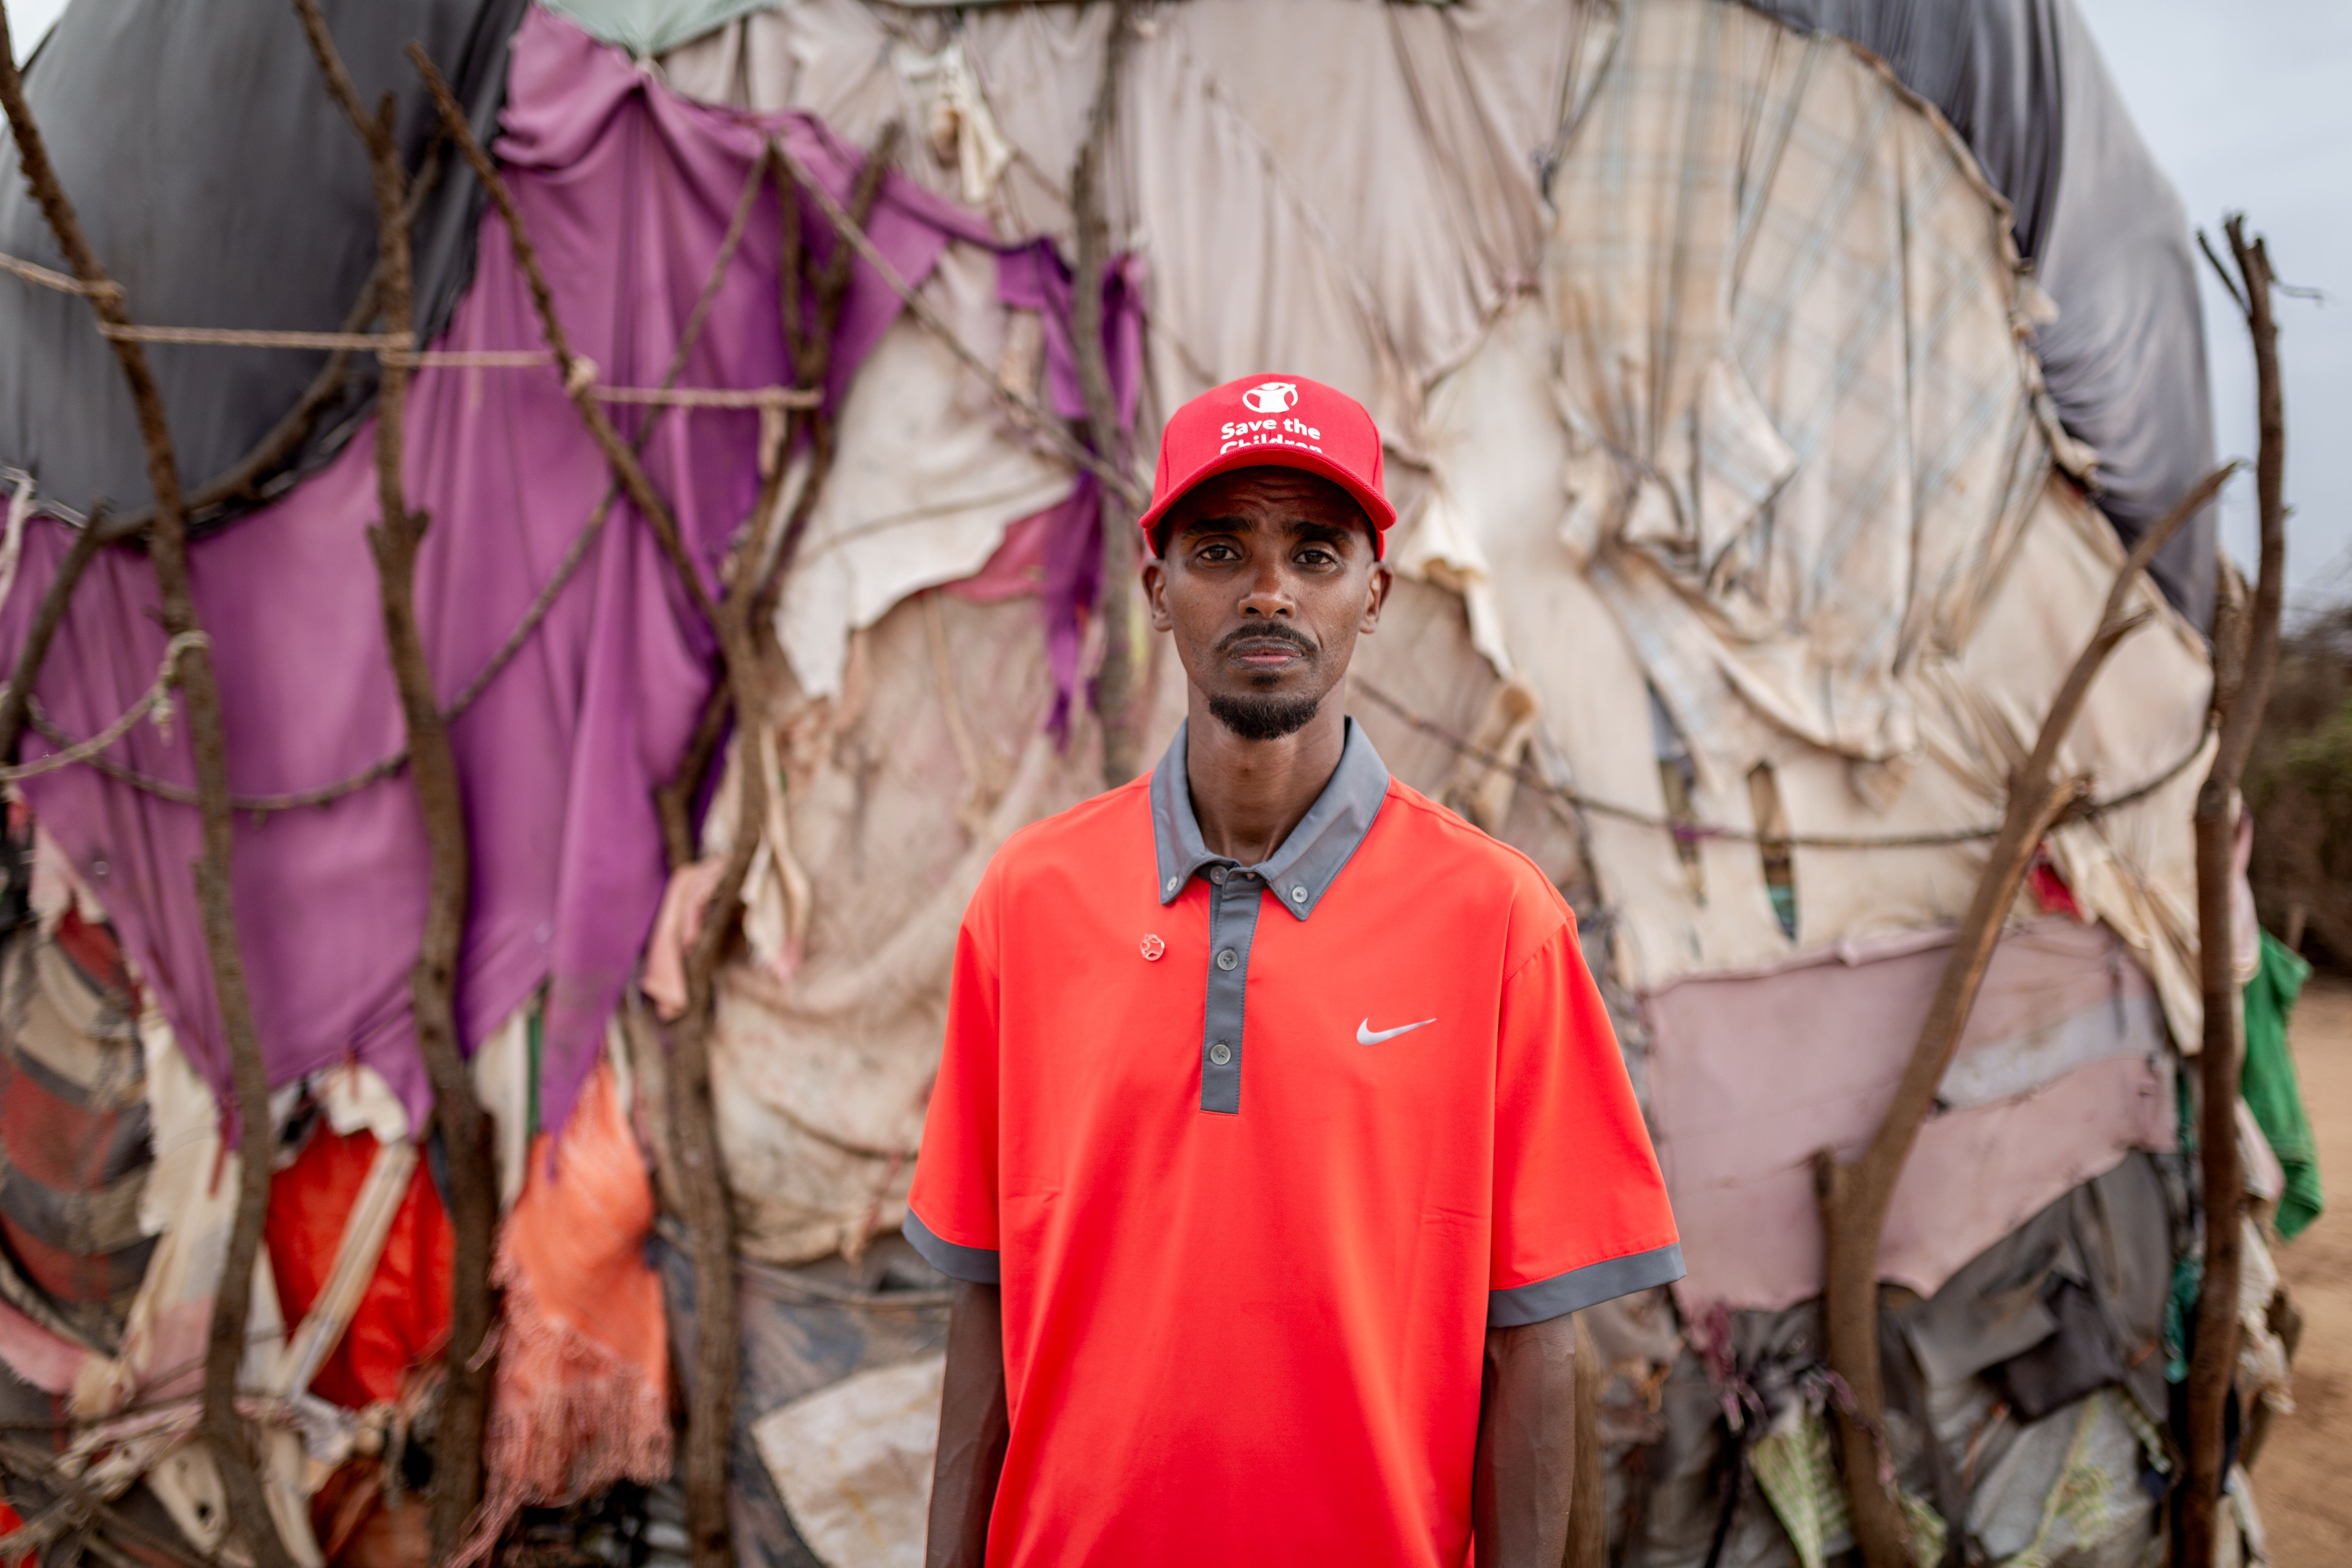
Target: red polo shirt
x,y
1258,1154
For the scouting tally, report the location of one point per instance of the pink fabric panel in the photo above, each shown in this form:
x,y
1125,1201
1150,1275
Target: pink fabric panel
x,y
1749,1076
35,1354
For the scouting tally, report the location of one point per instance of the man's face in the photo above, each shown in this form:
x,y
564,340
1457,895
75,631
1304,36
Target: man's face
x,y
1267,579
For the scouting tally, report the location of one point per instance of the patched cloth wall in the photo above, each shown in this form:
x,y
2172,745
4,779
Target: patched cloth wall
x,y
2107,235
1805,432
1770,473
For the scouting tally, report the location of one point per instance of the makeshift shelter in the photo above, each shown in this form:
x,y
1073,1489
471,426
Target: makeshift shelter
x,y
1747,525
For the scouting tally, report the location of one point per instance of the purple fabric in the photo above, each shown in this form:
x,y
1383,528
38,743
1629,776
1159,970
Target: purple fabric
x,y
626,190
1035,277
1072,586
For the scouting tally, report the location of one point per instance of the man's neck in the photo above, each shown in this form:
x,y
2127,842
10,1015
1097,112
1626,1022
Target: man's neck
x,y
1248,795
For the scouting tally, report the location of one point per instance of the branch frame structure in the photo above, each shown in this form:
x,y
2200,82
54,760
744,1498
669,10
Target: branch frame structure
x,y
1855,1195
1126,656
695,1155
394,540
224,1430
2245,656
810,354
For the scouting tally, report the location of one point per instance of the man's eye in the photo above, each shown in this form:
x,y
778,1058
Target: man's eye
x,y
1315,557
1216,553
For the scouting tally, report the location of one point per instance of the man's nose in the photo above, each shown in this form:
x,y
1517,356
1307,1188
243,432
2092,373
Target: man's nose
x,y
1269,592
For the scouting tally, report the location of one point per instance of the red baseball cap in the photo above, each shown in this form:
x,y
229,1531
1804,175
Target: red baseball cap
x,y
1272,421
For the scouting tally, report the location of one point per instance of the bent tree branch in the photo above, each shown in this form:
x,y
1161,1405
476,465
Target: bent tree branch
x,y
1855,1195
168,551
1117,685
464,1126
2245,655
810,352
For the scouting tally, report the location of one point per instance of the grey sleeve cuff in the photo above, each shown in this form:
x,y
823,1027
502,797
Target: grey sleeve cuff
x,y
1563,1293
972,1265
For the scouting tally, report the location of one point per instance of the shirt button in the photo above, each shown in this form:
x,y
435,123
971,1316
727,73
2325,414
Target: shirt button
x,y
1227,959
1217,875
1174,883
1221,1053
1297,895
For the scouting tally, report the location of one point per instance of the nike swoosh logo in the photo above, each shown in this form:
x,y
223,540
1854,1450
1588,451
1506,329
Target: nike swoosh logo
x,y
1368,1036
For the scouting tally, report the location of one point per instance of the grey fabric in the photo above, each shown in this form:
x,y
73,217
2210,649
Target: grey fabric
x,y
220,185
2110,1240
1234,900
2079,1358
972,1265
802,1329
1581,1287
1297,876
2023,83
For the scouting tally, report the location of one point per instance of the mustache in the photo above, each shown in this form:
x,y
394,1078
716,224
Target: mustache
x,y
1272,632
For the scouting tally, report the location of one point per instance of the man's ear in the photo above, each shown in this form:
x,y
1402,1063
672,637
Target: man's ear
x,y
1382,578
1155,593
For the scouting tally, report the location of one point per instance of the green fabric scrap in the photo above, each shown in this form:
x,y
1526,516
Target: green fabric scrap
x,y
1792,1467
2180,1311
2269,1086
538,1037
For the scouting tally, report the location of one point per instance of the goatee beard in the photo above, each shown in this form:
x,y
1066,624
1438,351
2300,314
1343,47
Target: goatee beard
x,y
1252,717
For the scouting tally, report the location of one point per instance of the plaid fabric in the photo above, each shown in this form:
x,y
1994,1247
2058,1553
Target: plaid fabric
x,y
1792,356
75,1143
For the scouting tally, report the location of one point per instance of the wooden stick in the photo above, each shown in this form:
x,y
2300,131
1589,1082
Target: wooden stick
x,y
1855,1195
815,352
694,1116
1588,1526
2245,655
1125,649
465,1127
811,354
16,702
168,551
579,374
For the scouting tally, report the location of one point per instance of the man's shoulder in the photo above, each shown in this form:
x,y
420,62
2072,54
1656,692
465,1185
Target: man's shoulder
x,y
1076,836
1495,874
1463,848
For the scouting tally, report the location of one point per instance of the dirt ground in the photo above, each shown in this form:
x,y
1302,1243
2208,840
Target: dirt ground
x,y
2303,1480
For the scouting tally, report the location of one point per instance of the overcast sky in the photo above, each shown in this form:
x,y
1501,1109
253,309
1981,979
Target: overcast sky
x,y
29,19
2247,105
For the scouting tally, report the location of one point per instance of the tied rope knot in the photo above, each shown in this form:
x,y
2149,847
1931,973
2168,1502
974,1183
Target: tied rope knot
x,y
581,375
156,701
168,678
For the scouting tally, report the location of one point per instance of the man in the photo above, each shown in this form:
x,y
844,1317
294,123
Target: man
x,y
1279,1126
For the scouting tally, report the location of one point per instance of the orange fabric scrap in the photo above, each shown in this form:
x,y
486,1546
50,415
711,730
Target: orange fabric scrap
x,y
582,1398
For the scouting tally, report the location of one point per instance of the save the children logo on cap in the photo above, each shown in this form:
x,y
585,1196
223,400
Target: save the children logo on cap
x,y
1285,421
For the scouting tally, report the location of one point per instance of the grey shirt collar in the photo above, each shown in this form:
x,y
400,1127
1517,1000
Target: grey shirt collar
x,y
1302,871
